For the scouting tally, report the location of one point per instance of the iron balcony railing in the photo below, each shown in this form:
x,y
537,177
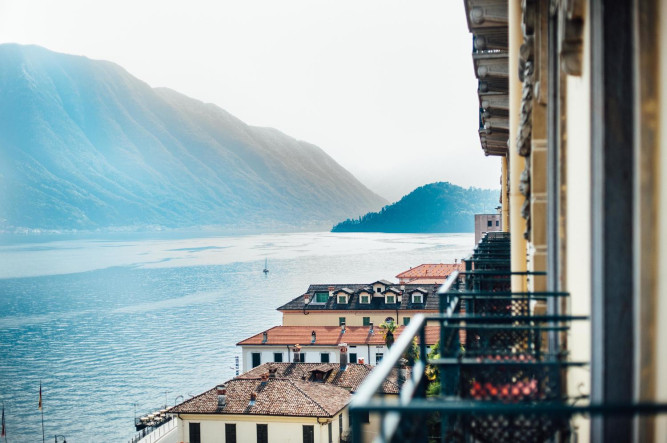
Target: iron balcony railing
x,y
497,373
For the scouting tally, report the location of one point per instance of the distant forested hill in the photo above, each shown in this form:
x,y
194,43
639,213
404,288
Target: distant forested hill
x,y
437,207
84,145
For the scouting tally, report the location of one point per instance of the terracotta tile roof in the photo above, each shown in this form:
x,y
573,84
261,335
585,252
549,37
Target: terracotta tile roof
x,y
277,396
376,303
430,271
328,336
349,379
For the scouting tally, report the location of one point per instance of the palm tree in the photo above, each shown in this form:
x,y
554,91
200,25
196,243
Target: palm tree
x,y
388,329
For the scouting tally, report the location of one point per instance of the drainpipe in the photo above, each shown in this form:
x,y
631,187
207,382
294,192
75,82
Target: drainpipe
x,y
288,358
516,162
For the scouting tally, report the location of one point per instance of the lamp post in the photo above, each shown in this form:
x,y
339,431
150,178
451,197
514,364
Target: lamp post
x,y
176,399
165,398
61,437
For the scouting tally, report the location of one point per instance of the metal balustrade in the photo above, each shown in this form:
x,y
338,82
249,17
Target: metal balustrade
x,y
500,378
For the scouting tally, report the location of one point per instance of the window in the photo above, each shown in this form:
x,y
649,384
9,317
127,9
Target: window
x,y
390,299
230,433
324,357
489,223
340,426
256,359
378,289
195,433
330,434
262,433
497,222
378,357
308,434
417,298
353,357
278,357
364,299
341,321
406,321
367,321
321,297
342,299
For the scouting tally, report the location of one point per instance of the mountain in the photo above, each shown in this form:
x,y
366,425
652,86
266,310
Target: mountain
x,y
85,145
437,207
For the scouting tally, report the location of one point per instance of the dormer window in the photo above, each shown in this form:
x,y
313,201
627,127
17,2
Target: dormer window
x,y
364,299
417,298
342,299
321,297
390,298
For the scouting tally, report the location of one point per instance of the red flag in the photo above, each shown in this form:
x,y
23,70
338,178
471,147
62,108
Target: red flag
x,y
40,395
3,422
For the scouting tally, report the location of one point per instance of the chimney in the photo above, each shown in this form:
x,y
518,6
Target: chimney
x,y
456,260
313,337
222,395
272,372
297,353
343,356
265,378
331,289
342,328
253,398
371,330
306,298
265,337
360,361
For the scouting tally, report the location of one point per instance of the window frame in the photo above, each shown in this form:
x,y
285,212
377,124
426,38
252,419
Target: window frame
x,y
262,433
366,321
192,426
364,296
389,297
259,358
277,357
230,432
325,356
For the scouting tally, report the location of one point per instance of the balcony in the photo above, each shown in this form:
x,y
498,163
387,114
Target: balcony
x,y
498,373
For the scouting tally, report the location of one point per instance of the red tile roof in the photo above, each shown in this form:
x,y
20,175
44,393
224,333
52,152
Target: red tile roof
x,y
277,396
350,379
328,336
430,271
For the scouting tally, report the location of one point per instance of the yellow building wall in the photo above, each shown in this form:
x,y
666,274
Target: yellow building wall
x,y
281,429
352,318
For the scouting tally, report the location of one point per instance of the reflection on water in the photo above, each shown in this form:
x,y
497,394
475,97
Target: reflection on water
x,y
106,325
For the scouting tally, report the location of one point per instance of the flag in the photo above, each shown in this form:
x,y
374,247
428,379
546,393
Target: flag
x,y
40,395
3,422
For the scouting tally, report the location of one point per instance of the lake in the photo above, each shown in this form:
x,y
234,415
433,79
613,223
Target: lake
x,y
113,327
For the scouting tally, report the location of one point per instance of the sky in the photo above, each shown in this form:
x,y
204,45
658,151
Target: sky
x,y
385,87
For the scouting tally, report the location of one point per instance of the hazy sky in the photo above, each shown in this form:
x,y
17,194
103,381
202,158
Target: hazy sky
x,y
385,87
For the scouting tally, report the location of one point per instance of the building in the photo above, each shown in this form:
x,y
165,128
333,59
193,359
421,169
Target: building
x,y
275,402
359,304
319,344
486,223
573,104
429,274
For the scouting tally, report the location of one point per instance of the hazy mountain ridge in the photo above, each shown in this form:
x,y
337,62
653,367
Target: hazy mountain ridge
x,y
436,207
85,145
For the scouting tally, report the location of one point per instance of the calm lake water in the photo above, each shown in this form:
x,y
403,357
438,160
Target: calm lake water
x,y
112,326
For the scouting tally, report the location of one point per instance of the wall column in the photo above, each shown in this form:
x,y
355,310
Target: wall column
x,y
516,162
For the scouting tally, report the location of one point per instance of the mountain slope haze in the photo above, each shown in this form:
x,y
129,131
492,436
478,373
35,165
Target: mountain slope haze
x,y
85,145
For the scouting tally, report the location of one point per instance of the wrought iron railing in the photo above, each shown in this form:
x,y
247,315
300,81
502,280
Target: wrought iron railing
x,y
497,373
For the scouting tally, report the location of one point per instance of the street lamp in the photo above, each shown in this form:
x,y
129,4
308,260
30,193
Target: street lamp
x,y
176,399
61,437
